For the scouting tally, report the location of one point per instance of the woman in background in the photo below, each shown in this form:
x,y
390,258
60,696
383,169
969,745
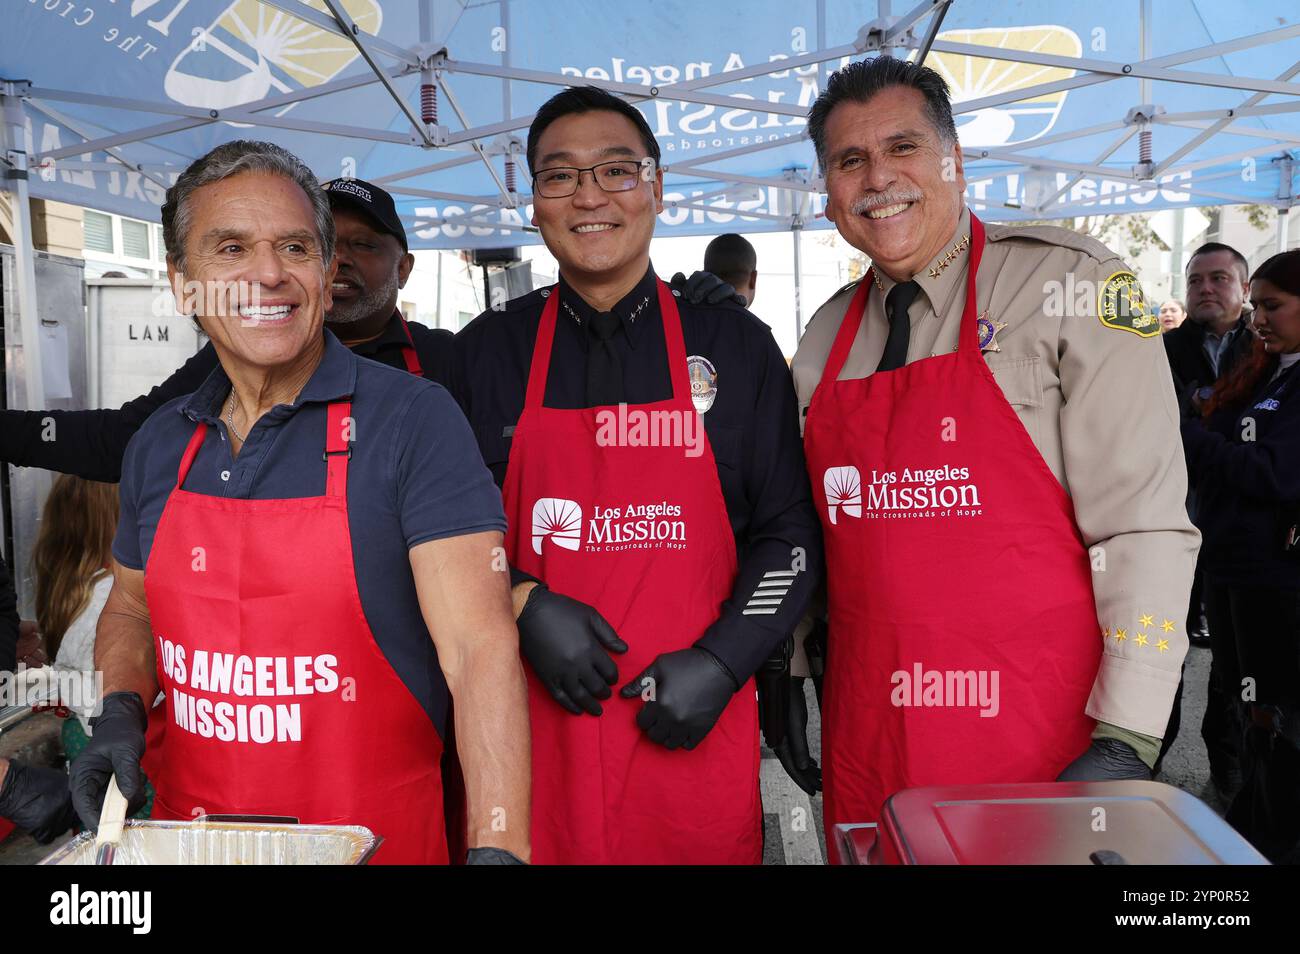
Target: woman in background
x,y
72,560
1172,314
1244,454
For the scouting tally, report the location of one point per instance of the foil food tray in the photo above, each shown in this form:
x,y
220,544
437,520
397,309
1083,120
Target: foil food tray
x,y
226,843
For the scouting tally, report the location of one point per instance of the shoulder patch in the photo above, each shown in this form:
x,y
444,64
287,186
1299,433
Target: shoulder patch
x,y
1121,304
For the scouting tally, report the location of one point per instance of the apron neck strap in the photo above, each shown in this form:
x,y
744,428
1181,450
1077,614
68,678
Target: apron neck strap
x,y
339,431
968,336
338,451
675,344
191,452
409,354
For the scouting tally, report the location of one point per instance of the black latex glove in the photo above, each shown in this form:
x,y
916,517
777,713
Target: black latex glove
x,y
688,690
793,749
1106,760
568,644
491,856
705,288
37,800
115,748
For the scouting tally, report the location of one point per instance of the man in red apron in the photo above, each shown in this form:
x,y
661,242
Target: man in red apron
x,y
650,462
301,680
1002,499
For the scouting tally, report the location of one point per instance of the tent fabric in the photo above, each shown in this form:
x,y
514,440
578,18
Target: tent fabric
x,y
1053,117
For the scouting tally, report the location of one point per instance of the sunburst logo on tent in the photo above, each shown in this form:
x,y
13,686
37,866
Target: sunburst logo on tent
x,y
843,486
252,49
559,519
975,77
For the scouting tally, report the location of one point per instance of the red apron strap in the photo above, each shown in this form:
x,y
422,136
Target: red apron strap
x,y
191,452
541,363
339,432
969,334
849,326
675,344
409,354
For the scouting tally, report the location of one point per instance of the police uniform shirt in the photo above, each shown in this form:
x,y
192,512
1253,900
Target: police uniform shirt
x,y
414,475
90,444
752,429
1084,370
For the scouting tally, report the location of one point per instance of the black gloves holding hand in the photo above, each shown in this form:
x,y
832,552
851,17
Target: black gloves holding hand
x,y
115,748
568,644
37,800
685,693
1106,760
704,288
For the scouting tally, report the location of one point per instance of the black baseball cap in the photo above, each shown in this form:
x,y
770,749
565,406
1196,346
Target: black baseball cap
x,y
370,199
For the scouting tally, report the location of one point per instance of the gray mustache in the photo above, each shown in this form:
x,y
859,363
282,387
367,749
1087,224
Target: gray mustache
x,y
869,203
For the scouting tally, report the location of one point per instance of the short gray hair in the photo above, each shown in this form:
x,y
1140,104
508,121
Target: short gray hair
x,y
860,81
232,158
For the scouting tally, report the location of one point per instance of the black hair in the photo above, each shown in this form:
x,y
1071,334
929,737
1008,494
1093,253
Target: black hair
x,y
1282,270
586,99
731,258
1209,248
860,81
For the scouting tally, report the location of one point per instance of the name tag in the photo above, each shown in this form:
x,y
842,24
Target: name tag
x,y
508,431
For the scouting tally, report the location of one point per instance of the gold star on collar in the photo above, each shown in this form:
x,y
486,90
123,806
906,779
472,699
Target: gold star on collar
x,y
948,257
1146,620
1168,626
1162,645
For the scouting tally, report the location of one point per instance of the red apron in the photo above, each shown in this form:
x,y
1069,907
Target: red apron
x,y
603,793
953,560
158,713
280,701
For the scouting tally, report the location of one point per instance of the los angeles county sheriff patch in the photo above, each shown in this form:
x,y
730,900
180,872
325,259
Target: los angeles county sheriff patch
x,y
1121,304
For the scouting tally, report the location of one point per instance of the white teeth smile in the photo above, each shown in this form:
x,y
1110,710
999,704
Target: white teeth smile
x,y
889,210
266,313
593,228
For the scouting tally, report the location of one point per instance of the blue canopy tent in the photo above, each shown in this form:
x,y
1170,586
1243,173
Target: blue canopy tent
x,y
1064,109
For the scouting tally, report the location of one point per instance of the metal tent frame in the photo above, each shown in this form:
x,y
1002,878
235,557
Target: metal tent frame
x,y
916,30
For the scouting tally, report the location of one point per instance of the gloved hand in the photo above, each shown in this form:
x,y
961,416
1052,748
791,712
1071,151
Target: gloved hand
x,y
793,749
688,690
491,856
565,642
705,288
37,800
1106,760
115,748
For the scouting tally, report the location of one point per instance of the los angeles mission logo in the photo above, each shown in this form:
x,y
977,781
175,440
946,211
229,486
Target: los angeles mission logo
x,y
607,529
935,492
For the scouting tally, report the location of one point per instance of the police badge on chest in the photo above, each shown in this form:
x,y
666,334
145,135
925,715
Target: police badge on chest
x,y
704,382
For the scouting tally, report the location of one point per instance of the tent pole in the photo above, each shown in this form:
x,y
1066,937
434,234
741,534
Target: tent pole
x,y
1285,195
14,136
796,231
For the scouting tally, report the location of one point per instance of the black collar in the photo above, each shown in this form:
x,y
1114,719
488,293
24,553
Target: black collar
x,y
393,335
641,302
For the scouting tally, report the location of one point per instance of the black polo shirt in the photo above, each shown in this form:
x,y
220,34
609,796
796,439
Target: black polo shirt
x,y
752,426
90,444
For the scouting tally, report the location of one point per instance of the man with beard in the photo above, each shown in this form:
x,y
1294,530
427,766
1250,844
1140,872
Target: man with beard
x,y
373,264
993,445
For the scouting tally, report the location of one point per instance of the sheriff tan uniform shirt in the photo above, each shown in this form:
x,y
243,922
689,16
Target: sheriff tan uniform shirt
x,y
1081,363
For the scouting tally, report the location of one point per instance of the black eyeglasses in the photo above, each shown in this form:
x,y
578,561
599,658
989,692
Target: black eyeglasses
x,y
617,176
